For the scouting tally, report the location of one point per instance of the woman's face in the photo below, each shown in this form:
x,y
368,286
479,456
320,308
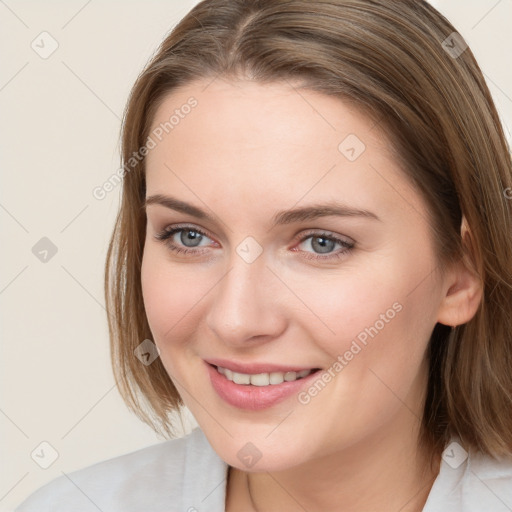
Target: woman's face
x,y
302,246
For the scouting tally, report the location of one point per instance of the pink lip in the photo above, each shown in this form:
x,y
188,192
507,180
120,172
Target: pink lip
x,y
255,368
255,398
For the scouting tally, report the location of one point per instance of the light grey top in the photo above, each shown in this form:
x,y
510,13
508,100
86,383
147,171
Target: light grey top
x,y
186,475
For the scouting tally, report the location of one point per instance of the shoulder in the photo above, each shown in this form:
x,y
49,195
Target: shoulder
x,y
471,482
179,473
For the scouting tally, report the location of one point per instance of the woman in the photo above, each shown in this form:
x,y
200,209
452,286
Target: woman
x,y
313,254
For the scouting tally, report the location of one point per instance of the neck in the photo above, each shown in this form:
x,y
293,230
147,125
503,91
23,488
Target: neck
x,y
387,471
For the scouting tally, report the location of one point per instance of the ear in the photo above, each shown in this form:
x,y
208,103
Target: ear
x,y
463,289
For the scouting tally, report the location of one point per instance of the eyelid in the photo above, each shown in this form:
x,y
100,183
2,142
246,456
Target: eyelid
x,y
347,246
302,235
347,243
169,231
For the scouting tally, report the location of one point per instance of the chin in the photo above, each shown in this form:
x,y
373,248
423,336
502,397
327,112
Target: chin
x,y
259,455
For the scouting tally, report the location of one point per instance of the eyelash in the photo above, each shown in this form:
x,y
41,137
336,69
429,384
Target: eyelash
x,y
166,235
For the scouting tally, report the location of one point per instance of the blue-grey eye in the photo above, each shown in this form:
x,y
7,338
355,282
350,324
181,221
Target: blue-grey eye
x,y
322,244
190,237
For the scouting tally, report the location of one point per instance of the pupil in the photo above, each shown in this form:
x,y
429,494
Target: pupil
x,y
191,236
324,246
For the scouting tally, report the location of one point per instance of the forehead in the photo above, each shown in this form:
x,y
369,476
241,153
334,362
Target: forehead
x,y
255,114
272,141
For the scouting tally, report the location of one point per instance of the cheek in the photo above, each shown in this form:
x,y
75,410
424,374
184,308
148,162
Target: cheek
x,y
375,357
376,324
171,298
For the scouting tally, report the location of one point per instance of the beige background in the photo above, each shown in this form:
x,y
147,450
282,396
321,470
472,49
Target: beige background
x,y
59,133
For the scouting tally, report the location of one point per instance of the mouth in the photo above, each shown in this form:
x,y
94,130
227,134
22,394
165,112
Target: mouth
x,y
255,389
264,378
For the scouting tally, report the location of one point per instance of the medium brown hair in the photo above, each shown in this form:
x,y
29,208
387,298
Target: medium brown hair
x,y
388,58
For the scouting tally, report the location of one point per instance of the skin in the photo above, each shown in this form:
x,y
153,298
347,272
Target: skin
x,y
246,151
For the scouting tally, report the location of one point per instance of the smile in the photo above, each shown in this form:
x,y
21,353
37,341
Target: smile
x,y
259,390
262,379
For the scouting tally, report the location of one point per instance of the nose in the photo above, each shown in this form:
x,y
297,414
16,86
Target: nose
x,y
247,306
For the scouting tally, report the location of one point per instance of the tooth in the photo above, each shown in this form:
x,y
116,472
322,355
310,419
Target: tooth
x,y
241,378
261,379
276,378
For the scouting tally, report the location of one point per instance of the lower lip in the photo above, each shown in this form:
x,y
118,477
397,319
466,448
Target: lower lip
x,y
255,398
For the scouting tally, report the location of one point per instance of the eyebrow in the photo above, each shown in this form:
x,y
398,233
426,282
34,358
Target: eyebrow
x,y
301,214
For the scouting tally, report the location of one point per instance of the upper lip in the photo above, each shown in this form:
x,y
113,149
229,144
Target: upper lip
x,y
255,368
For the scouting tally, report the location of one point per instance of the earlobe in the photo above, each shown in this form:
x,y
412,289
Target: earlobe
x,y
464,286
